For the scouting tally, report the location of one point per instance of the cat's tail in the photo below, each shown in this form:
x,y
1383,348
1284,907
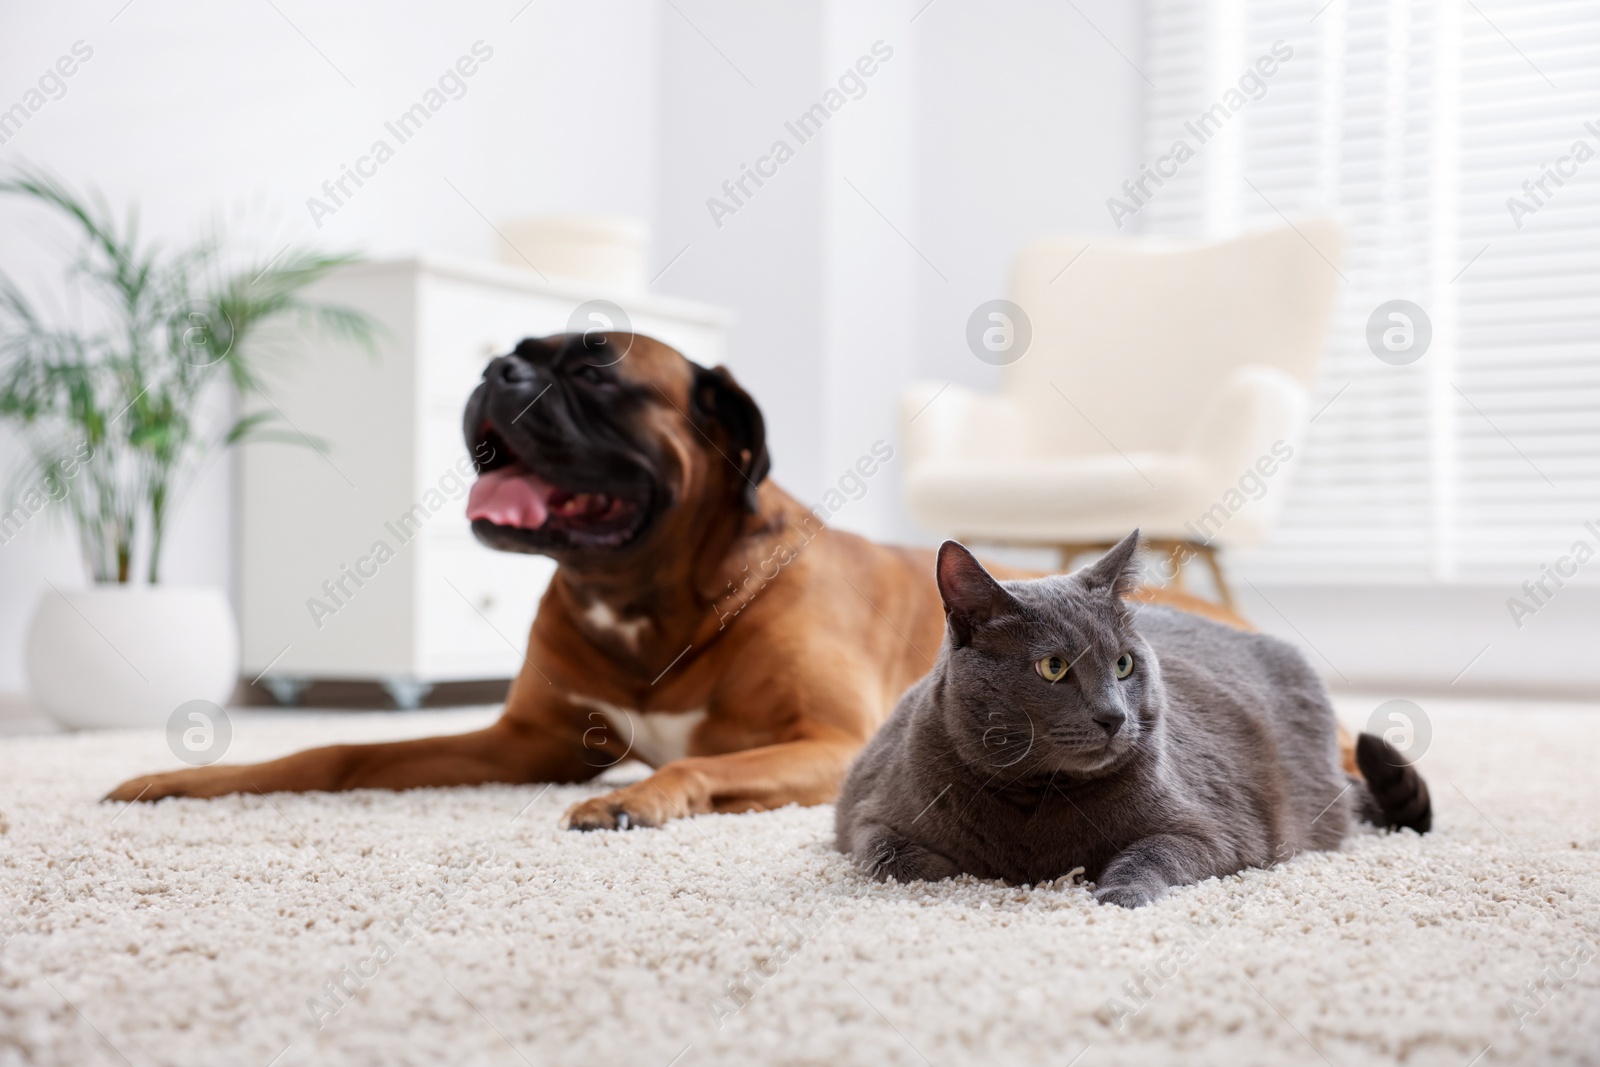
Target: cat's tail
x,y
1397,797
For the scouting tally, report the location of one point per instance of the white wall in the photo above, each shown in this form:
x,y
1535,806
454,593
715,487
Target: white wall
x,y
731,74
1027,119
872,266
822,286
989,125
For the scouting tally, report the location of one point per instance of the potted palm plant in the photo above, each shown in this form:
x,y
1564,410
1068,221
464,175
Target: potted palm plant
x,y
111,408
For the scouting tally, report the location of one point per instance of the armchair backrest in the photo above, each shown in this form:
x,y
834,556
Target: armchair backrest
x,y
1138,336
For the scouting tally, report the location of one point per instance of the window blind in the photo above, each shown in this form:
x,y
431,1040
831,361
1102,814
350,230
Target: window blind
x,y
1415,124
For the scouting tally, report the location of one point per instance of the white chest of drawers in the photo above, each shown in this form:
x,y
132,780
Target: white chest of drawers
x,y
358,563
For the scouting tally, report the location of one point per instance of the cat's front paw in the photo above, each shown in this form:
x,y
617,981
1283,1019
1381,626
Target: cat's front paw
x,y
886,855
1127,894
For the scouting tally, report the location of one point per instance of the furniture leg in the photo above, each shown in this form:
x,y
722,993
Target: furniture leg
x,y
1223,592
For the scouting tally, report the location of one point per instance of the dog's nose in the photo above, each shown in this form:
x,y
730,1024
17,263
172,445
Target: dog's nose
x,y
1110,720
510,370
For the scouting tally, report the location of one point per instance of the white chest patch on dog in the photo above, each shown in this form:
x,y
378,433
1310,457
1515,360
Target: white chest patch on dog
x,y
603,619
656,737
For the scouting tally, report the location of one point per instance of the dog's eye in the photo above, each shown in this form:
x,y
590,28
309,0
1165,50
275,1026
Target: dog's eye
x,y
1124,665
1052,668
591,374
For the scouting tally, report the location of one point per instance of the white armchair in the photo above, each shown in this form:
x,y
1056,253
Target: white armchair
x,y
1158,378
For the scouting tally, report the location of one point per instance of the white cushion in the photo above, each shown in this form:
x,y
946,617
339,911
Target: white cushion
x,y
1057,500
1157,378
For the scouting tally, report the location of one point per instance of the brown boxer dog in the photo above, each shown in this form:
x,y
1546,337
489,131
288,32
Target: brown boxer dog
x,y
700,618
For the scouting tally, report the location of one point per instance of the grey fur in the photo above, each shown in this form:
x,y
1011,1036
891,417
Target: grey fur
x,y
1227,756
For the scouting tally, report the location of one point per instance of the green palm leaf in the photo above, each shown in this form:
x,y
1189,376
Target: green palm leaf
x,y
126,392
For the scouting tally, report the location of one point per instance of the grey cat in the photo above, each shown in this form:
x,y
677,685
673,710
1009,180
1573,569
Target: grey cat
x,y
1064,727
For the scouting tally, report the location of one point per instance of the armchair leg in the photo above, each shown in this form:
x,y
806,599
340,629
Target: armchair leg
x,y
1215,565
1073,549
1177,554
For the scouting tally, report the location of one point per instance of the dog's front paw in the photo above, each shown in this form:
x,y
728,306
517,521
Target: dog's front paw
x,y
189,782
664,795
608,812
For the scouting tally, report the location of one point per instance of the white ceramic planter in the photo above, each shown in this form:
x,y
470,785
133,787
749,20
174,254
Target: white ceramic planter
x,y
122,656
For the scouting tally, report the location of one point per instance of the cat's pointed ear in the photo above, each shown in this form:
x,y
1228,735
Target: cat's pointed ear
x,y
1117,572
971,596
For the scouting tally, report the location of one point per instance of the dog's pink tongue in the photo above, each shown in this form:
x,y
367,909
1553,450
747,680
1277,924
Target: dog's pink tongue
x,y
510,496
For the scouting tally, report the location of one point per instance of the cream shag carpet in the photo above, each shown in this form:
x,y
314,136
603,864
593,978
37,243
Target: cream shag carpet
x,y
460,926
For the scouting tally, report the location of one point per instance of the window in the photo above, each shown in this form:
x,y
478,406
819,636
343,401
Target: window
x,y
1458,141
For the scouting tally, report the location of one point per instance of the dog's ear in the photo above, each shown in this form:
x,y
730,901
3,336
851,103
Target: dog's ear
x,y
715,398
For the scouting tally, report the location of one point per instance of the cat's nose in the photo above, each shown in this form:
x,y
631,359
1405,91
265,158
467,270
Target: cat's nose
x,y
1110,720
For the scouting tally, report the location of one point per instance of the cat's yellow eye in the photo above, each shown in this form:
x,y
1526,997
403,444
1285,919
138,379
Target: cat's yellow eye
x,y
1052,668
1124,665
